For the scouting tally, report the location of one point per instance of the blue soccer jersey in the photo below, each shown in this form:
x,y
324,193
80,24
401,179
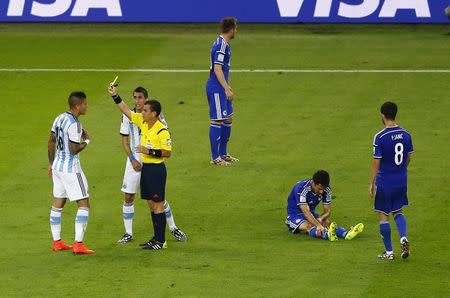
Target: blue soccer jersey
x,y
302,194
220,54
392,145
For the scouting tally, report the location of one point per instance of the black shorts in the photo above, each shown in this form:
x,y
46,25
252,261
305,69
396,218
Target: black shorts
x,y
153,181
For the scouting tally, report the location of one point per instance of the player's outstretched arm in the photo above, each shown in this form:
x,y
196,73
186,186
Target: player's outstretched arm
x,y
123,107
51,152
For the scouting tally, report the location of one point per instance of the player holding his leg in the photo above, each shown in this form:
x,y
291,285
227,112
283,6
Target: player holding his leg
x,y
301,215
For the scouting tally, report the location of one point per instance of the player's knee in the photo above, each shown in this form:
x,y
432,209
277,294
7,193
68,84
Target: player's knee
x,y
156,207
304,227
129,198
83,203
395,213
59,203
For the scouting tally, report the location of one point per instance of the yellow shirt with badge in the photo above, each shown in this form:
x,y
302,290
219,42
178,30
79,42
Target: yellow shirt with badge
x,y
157,137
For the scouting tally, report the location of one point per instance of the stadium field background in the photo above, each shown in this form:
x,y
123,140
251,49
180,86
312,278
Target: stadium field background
x,y
287,125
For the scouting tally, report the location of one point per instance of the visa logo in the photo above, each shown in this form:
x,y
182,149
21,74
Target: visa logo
x,y
58,7
389,8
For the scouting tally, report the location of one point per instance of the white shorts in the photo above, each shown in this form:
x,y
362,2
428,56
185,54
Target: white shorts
x,y
70,185
131,179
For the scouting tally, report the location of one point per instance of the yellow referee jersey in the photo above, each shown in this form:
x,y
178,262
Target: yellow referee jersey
x,y
157,137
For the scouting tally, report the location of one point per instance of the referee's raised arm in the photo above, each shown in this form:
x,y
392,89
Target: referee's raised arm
x,y
112,89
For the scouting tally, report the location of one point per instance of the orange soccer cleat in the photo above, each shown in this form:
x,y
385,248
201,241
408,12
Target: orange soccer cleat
x,y
60,245
80,248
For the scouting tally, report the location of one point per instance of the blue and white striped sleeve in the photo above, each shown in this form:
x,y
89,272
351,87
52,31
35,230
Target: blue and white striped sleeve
x,y
54,125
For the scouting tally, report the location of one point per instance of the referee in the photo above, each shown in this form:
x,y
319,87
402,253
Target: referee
x,y
155,146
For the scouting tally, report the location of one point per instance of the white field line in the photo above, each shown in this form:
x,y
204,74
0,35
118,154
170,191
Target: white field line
x,y
157,70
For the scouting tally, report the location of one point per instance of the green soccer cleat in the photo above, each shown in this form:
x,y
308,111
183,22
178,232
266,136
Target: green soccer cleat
x,y
354,231
332,232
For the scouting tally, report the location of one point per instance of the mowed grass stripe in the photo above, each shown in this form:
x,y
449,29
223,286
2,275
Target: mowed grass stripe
x,y
234,71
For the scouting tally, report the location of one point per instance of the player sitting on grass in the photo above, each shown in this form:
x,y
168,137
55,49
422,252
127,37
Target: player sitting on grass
x,y
301,215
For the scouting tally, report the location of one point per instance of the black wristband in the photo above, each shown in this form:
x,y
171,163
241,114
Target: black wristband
x,y
155,152
117,99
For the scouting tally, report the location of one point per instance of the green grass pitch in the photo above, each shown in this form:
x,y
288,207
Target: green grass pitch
x,y
287,125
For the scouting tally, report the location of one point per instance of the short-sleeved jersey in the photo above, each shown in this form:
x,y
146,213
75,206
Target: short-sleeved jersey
x,y
302,194
133,132
157,137
67,129
392,145
220,54
129,129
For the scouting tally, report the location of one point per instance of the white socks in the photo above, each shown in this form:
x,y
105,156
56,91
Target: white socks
x,y
169,217
128,214
55,222
80,223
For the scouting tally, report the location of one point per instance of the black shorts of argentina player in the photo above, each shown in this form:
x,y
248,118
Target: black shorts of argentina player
x,y
155,146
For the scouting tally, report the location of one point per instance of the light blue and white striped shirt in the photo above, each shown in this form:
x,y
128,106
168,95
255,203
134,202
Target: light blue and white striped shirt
x,y
67,129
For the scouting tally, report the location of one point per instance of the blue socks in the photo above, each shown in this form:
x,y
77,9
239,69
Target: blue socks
x,y
215,131
224,137
400,220
313,231
341,232
385,231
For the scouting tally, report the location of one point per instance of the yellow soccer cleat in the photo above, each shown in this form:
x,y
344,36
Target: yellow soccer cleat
x,y
354,231
332,232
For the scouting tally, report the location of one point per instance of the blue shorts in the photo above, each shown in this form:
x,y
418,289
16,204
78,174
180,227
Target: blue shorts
x,y
293,221
390,199
219,107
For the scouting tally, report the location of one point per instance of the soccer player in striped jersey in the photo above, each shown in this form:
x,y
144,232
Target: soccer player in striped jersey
x,y
220,94
131,136
301,210
392,149
67,140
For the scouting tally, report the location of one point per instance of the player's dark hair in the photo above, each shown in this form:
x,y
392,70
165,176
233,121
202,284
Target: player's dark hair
x,y
141,90
226,24
155,106
76,97
389,110
321,177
